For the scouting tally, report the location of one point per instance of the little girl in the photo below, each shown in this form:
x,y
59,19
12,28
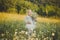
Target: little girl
x,y
30,22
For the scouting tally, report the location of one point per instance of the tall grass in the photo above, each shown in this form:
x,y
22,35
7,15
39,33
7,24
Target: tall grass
x,y
13,27
43,30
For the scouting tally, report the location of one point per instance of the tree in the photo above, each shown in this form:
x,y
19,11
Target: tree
x,y
22,5
6,4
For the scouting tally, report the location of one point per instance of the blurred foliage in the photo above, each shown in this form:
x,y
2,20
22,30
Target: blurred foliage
x,y
8,29
42,7
6,4
42,30
23,5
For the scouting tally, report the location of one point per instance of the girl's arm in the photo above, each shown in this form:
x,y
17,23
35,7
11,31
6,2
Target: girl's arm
x,y
27,20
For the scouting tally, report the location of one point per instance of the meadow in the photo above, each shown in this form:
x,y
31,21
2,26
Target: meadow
x,y
12,27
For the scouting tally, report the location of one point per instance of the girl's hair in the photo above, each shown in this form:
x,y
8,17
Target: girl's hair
x,y
29,10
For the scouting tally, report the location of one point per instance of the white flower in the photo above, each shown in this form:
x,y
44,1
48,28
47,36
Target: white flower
x,y
26,32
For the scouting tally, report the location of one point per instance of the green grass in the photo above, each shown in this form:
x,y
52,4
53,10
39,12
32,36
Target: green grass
x,y
13,27
8,29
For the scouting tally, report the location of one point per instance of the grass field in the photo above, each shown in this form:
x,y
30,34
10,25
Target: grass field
x,y
12,27
18,17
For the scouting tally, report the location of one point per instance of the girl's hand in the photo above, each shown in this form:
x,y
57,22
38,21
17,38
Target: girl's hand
x,y
35,20
28,22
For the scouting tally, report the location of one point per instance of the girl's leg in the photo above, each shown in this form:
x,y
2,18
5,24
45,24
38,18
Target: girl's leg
x,y
29,34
